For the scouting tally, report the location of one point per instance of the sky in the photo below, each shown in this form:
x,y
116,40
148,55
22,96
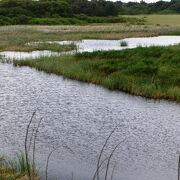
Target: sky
x,y
147,1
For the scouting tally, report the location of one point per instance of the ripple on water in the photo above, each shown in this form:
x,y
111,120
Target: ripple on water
x,y
78,117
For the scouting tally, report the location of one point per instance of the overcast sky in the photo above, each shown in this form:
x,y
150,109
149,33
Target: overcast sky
x,y
148,1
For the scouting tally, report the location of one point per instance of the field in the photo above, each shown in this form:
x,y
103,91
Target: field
x,y
16,37
160,19
163,19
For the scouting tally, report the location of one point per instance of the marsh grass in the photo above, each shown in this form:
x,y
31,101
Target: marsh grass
x,y
15,38
15,168
48,46
43,46
18,164
152,72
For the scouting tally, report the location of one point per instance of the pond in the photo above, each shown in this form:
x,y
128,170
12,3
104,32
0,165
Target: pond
x,y
95,45
78,117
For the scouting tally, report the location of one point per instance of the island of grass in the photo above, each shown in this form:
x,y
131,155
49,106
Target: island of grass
x,y
51,46
152,72
40,46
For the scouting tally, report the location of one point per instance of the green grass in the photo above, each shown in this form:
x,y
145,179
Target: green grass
x,y
15,168
173,19
15,38
152,72
159,19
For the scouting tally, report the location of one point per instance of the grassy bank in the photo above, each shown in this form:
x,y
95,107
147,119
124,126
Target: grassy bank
x,y
150,72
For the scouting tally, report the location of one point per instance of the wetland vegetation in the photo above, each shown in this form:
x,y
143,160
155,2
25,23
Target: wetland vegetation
x,y
150,72
15,38
15,168
44,46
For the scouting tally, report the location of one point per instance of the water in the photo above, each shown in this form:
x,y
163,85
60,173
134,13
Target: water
x,y
78,117
15,55
27,55
94,45
81,116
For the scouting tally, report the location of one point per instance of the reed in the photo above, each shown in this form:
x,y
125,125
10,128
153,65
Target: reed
x,y
15,168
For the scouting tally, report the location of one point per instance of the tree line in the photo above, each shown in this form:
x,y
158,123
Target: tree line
x,y
20,11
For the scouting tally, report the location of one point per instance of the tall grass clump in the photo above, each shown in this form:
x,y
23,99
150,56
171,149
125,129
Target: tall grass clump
x,y
123,43
152,72
15,168
18,164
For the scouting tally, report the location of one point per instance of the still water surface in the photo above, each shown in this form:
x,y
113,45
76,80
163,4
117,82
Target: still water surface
x,y
78,117
94,45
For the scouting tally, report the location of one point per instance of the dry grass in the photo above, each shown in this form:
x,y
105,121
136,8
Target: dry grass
x,y
15,37
160,19
100,28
